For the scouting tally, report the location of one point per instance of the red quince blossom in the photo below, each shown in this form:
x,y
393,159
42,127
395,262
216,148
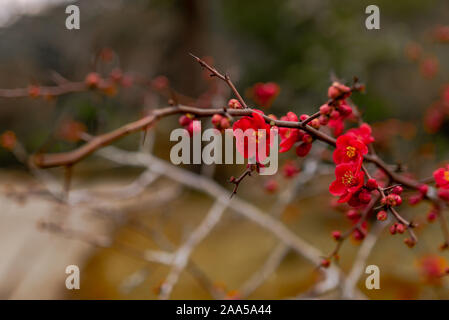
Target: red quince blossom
x,y
337,126
289,135
441,177
363,133
265,93
348,181
260,136
334,116
349,150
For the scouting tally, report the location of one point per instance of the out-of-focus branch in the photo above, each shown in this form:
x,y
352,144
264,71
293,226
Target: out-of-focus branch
x,y
238,205
281,250
349,284
182,255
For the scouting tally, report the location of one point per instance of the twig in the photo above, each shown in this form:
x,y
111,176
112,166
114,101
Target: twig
x,y
225,78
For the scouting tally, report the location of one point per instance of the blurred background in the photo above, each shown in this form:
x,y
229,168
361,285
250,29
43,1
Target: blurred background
x,y
298,45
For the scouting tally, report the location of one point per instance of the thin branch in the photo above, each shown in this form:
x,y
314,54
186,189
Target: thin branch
x,y
225,78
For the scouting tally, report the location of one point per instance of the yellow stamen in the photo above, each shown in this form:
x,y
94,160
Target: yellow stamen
x,y
446,175
350,151
348,179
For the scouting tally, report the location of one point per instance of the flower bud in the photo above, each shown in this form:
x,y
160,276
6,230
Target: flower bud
x,y
400,228
423,189
216,119
358,235
382,215
397,190
431,216
303,117
234,104
409,242
325,109
372,184
393,200
315,123
224,123
393,228
443,194
335,115
336,234
290,170
303,149
338,90
364,196
415,199
352,214
184,120
92,80
325,263
271,186
323,120
345,110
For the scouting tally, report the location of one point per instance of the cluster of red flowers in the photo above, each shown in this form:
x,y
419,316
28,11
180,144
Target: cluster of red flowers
x,y
186,121
350,179
349,184
336,110
292,136
441,176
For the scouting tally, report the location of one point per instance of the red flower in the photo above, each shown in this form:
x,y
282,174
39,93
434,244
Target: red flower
x,y
349,150
265,93
347,182
289,135
259,135
363,133
441,177
337,126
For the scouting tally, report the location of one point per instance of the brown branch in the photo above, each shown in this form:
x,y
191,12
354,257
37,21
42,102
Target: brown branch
x,y
225,78
237,181
72,157
45,91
